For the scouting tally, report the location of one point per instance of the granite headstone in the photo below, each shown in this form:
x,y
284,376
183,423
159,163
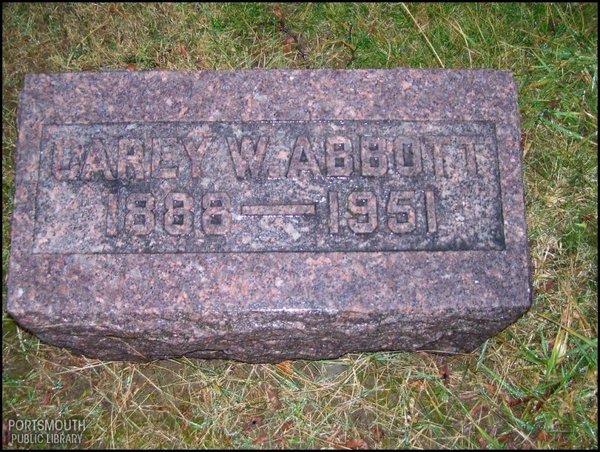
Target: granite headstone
x,y
263,215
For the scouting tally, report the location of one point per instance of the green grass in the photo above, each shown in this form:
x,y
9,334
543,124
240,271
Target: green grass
x,y
534,385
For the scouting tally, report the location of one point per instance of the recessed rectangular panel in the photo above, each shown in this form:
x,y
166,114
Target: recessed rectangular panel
x,y
284,186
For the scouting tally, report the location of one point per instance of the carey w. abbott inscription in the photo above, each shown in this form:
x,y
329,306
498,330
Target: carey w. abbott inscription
x,y
264,215
206,187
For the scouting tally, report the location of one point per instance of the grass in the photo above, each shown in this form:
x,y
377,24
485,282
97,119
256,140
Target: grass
x,y
532,386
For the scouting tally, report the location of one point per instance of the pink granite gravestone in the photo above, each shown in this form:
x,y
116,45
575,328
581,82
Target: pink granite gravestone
x,y
263,215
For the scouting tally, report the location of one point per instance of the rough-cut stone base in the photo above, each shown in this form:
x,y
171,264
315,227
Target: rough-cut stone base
x,y
301,282
274,338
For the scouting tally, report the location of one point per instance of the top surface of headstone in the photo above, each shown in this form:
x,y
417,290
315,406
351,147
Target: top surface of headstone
x,y
193,194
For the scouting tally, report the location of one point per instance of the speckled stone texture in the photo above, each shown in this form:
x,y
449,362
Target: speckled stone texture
x,y
263,215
